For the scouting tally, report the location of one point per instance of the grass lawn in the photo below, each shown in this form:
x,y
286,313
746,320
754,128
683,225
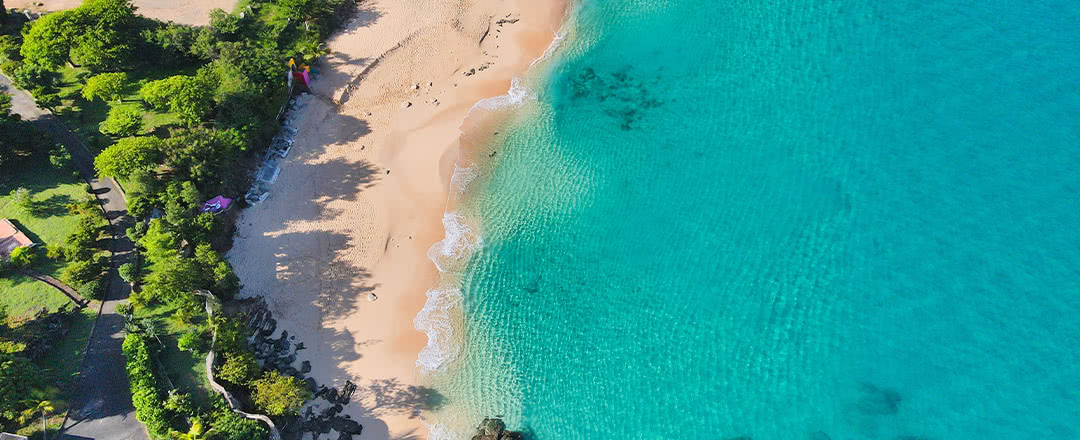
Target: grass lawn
x,y
52,189
63,361
60,367
24,295
186,371
84,117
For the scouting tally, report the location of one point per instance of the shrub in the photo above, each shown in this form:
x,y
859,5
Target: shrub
x,y
105,86
93,289
23,199
232,426
132,234
129,272
24,257
123,121
60,158
84,238
239,367
190,341
55,252
279,395
180,403
80,272
47,100
139,206
125,309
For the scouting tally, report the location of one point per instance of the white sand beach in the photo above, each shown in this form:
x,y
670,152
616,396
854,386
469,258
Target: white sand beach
x,y
360,198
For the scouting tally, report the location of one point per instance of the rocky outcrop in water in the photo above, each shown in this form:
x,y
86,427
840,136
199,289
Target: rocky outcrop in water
x,y
280,353
495,429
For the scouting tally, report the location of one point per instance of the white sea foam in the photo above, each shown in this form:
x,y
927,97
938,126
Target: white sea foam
x,y
435,320
439,431
515,96
555,43
458,244
461,178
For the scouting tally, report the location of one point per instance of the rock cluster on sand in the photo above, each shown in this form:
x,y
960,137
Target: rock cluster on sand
x,y
495,429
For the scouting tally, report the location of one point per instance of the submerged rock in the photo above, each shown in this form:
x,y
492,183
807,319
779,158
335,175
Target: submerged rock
x,y
878,401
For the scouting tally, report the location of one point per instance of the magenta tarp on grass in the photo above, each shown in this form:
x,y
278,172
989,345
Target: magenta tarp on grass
x,y
216,204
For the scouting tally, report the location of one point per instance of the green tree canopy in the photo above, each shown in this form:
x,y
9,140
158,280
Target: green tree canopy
x,y
97,35
105,86
48,41
123,121
188,96
128,155
160,243
204,156
279,395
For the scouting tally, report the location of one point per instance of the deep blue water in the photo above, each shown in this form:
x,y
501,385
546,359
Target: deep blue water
x,y
785,220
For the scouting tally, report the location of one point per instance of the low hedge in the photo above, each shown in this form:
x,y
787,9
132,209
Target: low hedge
x,y
145,395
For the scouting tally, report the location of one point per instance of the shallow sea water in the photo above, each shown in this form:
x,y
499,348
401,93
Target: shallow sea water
x,y
782,220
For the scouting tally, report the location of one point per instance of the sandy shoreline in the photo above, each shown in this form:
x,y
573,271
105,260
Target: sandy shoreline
x,y
360,199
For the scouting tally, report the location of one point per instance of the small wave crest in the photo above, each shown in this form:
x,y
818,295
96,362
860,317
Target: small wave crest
x,y
458,244
435,320
461,178
555,43
515,96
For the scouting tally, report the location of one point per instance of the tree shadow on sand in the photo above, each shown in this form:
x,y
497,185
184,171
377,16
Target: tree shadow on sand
x,y
393,397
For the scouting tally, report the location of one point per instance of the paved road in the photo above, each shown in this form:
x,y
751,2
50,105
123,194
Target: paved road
x,y
101,407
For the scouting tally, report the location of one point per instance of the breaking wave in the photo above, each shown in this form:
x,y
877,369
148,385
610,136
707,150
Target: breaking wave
x,y
516,95
455,248
435,320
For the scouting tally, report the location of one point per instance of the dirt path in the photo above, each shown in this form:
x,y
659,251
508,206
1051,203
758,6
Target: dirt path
x,y
101,406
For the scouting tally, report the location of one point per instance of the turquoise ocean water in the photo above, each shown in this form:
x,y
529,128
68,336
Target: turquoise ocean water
x,y
780,220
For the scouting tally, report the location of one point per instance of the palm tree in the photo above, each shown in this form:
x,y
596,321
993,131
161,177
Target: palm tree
x,y
45,407
195,433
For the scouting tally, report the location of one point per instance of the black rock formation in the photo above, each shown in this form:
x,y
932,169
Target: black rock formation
x,y
495,429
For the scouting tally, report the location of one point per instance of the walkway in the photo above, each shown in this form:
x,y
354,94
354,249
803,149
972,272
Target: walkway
x,y
101,406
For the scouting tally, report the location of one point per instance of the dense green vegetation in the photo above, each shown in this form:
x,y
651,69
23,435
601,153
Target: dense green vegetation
x,y
174,132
